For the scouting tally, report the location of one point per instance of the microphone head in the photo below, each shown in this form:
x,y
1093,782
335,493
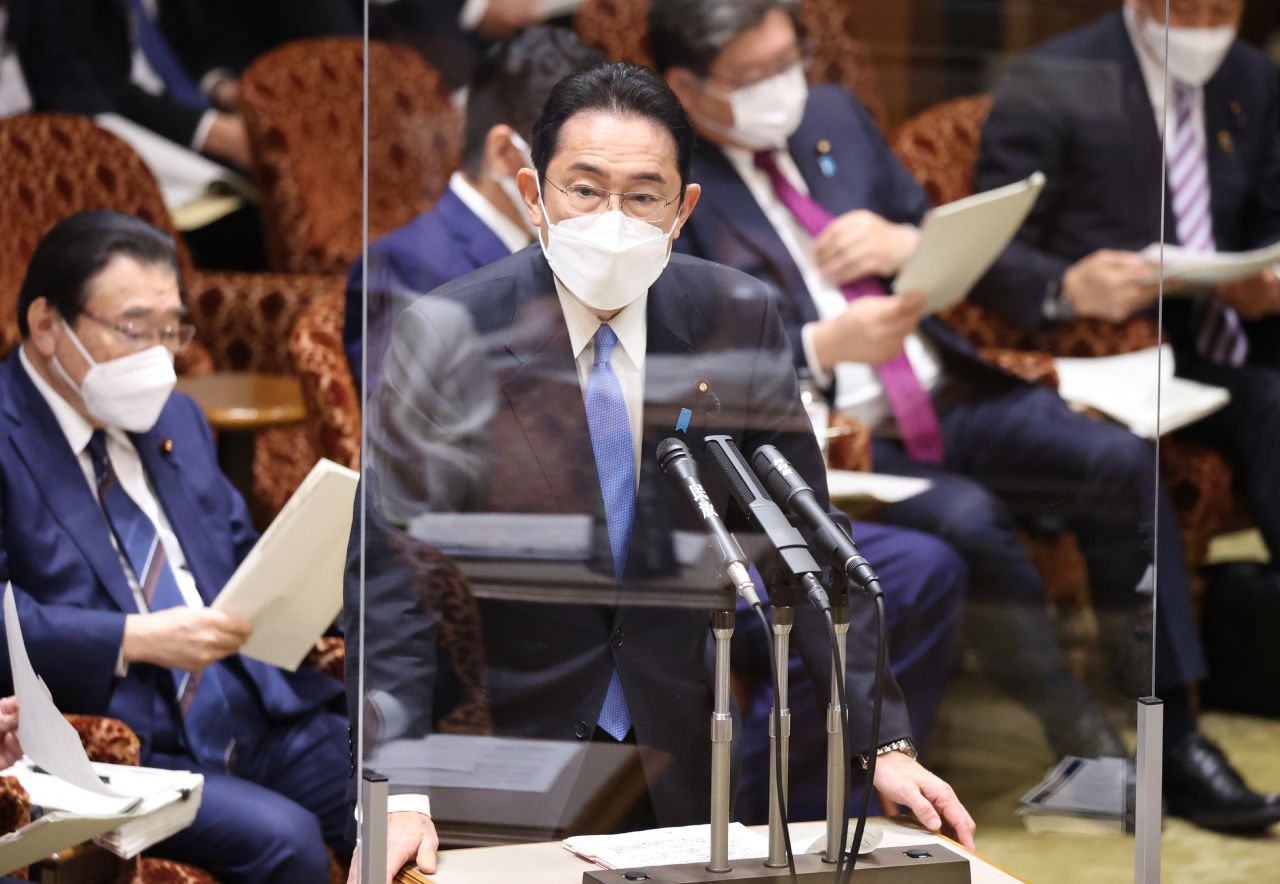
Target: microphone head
x,y
777,473
670,448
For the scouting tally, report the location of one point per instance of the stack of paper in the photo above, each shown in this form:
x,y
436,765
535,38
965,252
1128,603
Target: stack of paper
x,y
289,586
655,847
1129,388
1079,796
845,485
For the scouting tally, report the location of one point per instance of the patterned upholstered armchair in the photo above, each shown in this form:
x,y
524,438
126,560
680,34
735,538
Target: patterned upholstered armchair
x,y
940,146
56,165
303,106
618,29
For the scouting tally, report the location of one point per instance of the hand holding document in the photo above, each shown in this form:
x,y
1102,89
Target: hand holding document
x,y
961,240
1128,388
290,585
1201,269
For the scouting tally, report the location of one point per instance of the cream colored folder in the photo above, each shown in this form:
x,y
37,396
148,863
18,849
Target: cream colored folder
x,y
290,585
961,240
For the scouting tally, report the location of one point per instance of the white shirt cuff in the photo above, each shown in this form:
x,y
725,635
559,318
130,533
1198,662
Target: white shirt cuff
x,y
409,803
202,129
122,668
822,379
472,12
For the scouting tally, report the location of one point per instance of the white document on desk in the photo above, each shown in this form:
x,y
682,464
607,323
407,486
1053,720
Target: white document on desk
x,y
290,585
961,240
856,485
656,847
1127,389
46,736
1202,269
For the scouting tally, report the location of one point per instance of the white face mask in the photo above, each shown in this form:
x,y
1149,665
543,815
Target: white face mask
x,y
129,392
767,113
509,186
606,260
1195,54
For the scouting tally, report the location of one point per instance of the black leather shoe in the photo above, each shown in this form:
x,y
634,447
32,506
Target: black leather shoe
x,y
1201,786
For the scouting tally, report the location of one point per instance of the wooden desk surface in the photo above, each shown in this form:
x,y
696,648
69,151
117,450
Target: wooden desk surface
x,y
245,400
550,863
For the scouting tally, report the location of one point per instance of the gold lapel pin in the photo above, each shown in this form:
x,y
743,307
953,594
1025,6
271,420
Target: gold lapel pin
x,y
704,386
166,447
1226,142
826,162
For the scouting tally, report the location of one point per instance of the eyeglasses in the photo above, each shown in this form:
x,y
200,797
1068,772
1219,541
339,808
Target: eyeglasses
x,y
140,334
801,55
585,199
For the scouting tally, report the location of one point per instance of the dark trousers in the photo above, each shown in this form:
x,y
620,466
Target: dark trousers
x,y
1025,454
1247,431
924,583
271,820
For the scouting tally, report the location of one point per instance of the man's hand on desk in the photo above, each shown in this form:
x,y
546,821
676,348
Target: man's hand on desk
x,y
183,638
870,330
1255,297
860,243
1111,285
10,751
411,837
900,779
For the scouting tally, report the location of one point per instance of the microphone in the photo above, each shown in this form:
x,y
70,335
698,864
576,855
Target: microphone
x,y
681,469
792,550
789,487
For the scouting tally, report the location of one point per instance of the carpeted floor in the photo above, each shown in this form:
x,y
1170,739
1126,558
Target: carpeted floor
x,y
991,751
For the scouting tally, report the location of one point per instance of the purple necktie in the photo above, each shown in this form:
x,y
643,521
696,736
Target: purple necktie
x,y
910,402
1220,336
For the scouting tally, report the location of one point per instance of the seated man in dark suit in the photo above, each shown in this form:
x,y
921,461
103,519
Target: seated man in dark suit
x,y
803,192
479,219
119,531
1078,252
578,357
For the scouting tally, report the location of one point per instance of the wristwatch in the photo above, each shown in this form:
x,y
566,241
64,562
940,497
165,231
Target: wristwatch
x,y
904,746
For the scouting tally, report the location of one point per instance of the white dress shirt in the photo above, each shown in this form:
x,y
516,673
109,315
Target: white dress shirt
x,y
133,479
627,360
859,393
1153,74
511,234
14,96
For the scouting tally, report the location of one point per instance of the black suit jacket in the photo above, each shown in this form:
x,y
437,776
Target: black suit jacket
x,y
1077,109
56,74
480,409
861,173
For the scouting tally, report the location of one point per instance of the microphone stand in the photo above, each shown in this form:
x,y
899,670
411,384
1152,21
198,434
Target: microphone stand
x,y
721,745
836,776
783,619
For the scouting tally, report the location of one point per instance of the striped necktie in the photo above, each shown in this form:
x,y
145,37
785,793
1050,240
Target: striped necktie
x,y
611,444
206,698
908,399
1220,335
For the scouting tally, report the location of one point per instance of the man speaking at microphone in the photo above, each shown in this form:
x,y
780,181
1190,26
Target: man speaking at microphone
x,y
595,339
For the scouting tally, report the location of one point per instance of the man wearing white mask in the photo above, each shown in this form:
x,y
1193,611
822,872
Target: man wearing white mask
x,y
479,219
119,531
803,192
596,341
1129,157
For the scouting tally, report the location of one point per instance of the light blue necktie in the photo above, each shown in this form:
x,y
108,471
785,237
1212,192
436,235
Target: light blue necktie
x,y
610,429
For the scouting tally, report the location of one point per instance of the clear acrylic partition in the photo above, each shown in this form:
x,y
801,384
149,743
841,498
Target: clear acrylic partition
x,y
483,580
